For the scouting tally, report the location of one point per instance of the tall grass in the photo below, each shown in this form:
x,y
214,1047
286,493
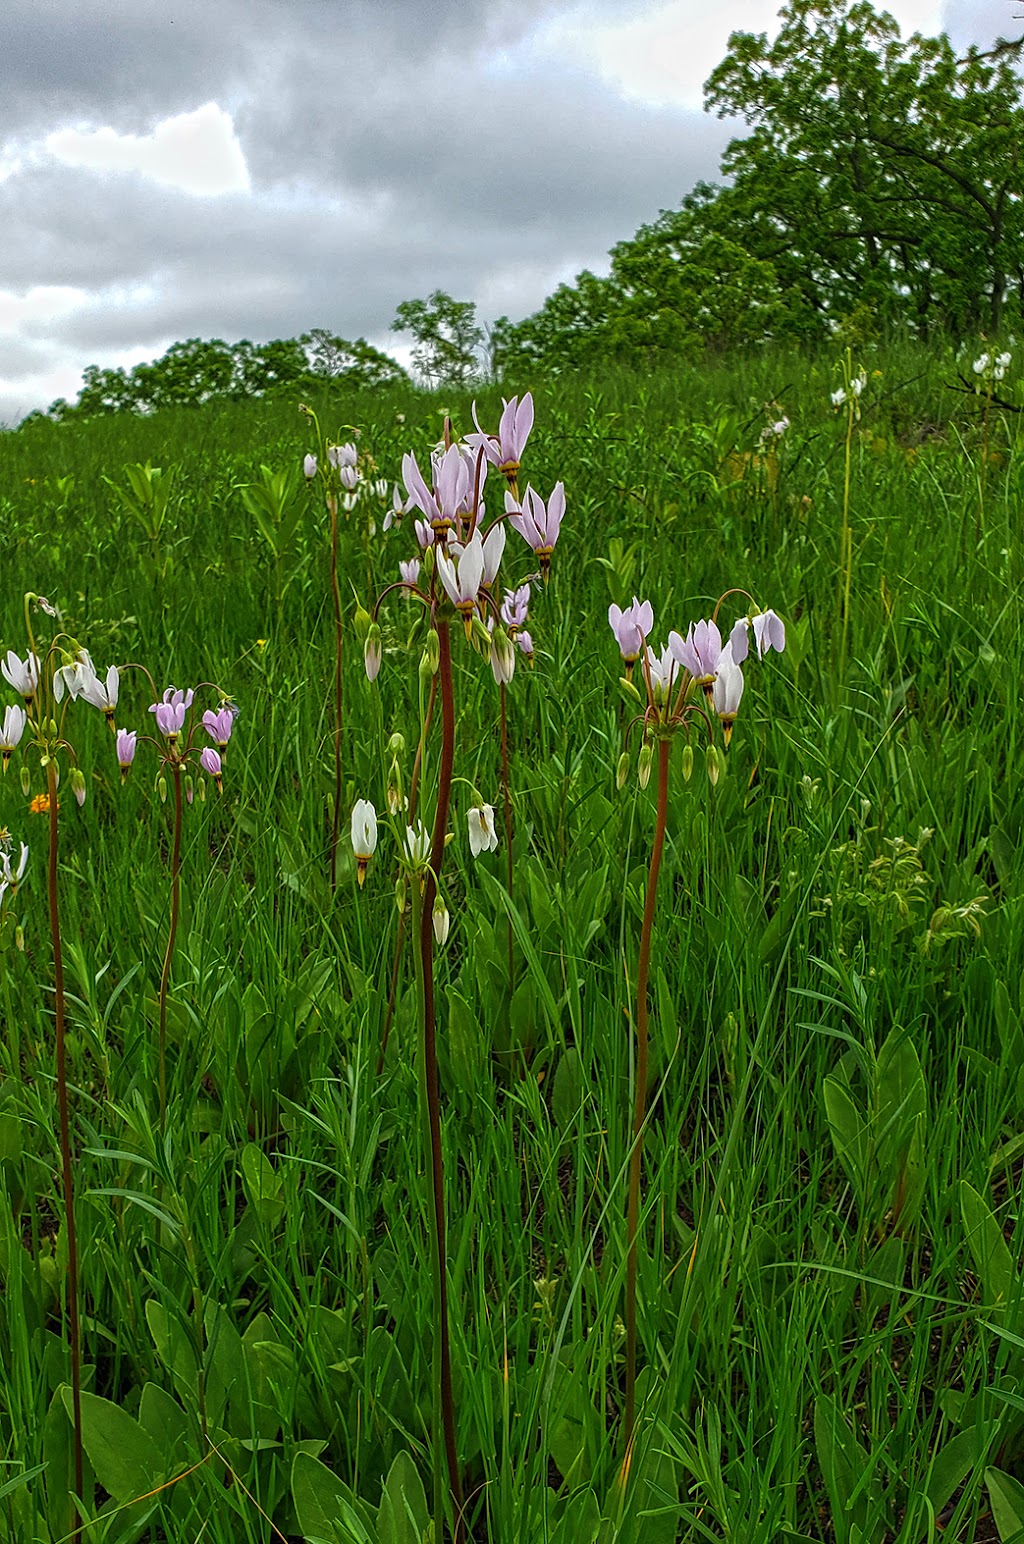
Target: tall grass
x,y
829,1292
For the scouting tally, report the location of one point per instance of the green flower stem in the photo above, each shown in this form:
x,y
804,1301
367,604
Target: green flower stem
x,y
640,1100
65,1144
432,1099
172,933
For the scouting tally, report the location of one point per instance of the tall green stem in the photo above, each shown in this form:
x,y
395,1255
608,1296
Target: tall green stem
x,y
430,1078
65,1143
640,1099
172,933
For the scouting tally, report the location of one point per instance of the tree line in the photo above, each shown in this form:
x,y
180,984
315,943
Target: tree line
x,y
878,179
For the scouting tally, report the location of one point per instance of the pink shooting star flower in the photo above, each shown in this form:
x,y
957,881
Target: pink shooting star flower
x,y
662,673
309,467
462,578
397,508
769,633
505,449
494,546
424,533
22,674
11,731
631,627
126,739
698,652
452,490
524,643
341,456
373,652
514,606
219,724
170,712
727,691
410,572
538,523
210,761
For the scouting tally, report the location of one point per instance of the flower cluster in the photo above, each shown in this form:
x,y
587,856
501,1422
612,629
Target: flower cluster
x,y
459,554
701,659
992,366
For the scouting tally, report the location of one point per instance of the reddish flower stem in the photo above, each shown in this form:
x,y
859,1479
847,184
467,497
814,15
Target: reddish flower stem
x,y
74,1329
433,1099
508,843
414,783
640,1102
332,504
172,933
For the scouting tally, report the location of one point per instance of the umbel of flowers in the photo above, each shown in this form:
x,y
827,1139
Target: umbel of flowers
x,y
694,685
454,571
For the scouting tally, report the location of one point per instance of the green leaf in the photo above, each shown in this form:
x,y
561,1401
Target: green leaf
x,y
567,1089
1007,1497
403,1517
324,1506
128,1463
992,1258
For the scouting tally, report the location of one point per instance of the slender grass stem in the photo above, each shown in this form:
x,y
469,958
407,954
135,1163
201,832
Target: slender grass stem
x,y
505,781
640,1098
430,1078
172,933
67,1172
846,546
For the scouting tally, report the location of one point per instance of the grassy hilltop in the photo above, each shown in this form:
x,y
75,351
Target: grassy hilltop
x,y
830,1314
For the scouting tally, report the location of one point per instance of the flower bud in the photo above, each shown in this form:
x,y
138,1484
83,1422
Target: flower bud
x,y
400,894
190,789
361,621
161,788
644,767
26,780
432,651
202,790
372,652
309,467
622,771
714,765
687,762
442,922
19,938
396,745
78,785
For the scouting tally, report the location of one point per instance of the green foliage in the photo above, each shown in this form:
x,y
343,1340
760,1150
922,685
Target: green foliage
x,y
447,337
830,1285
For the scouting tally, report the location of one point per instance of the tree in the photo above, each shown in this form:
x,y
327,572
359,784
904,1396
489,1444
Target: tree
x,y
356,365
447,337
876,170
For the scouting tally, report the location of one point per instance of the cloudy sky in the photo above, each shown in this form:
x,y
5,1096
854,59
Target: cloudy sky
x,y
255,168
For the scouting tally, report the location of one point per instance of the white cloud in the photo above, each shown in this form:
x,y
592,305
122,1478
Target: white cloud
x,y
41,303
663,54
197,152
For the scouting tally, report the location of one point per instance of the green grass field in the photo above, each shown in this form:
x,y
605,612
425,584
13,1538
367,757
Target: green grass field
x,y
830,1299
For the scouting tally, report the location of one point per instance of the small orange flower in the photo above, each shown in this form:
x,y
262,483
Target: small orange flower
x,y
41,804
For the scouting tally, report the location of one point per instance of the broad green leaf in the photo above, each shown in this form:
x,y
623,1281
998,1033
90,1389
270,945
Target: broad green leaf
x,y
1007,1498
324,1506
992,1258
127,1462
403,1517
